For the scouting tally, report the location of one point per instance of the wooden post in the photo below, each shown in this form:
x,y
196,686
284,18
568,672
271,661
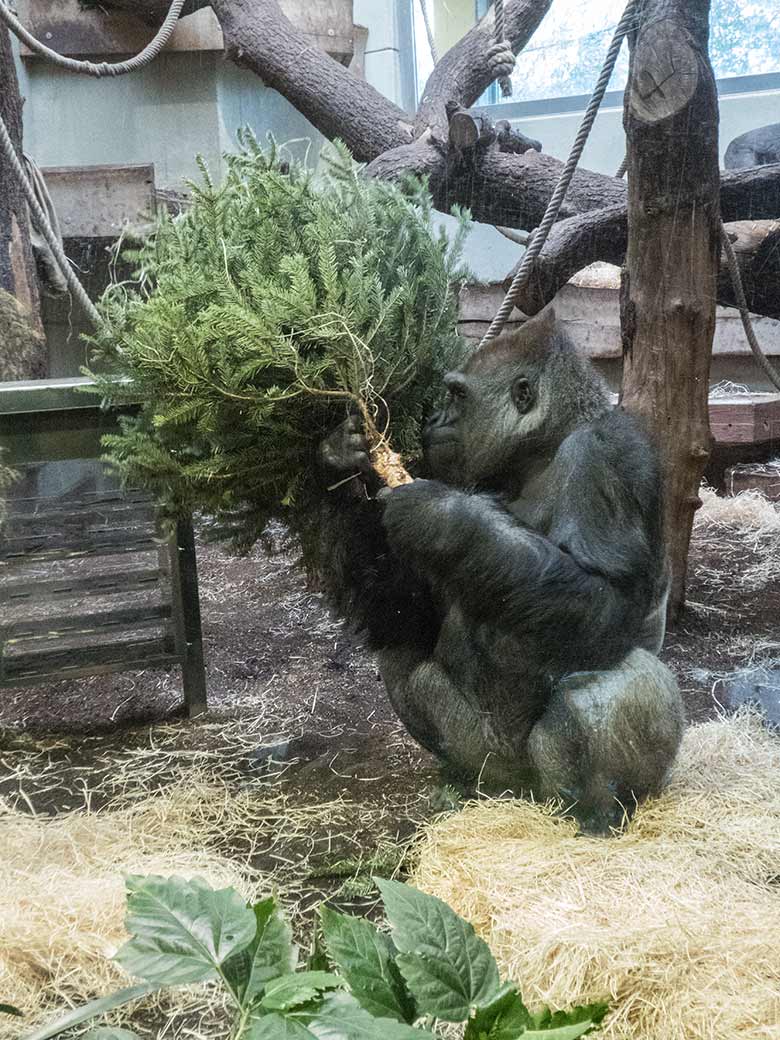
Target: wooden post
x,y
669,281
186,614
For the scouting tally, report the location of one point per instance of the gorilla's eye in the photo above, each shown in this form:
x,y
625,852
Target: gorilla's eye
x,y
522,395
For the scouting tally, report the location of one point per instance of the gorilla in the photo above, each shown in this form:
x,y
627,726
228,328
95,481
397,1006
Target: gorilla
x,y
754,148
516,592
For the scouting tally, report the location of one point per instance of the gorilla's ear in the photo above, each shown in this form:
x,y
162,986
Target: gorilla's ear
x,y
543,323
522,395
535,336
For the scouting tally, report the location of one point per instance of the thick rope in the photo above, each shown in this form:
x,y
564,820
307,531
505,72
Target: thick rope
x,y
429,32
103,68
42,223
500,34
747,322
621,170
523,275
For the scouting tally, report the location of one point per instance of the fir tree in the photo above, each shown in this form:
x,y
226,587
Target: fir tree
x,y
258,317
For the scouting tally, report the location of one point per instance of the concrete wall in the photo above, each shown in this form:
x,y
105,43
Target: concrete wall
x,y
185,104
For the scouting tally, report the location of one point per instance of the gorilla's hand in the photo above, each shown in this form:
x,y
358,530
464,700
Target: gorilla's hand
x,y
346,449
421,519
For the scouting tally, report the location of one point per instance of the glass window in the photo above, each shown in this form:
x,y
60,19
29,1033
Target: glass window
x,y
565,55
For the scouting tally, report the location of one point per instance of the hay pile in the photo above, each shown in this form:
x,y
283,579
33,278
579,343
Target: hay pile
x,y
63,899
744,529
676,923
61,916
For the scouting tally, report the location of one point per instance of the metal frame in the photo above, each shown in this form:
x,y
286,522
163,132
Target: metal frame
x,y
58,420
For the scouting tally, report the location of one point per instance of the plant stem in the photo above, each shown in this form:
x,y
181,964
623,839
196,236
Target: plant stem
x,y
387,463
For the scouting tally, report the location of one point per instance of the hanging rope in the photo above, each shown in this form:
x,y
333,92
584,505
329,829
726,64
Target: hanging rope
x,y
103,68
429,32
500,34
747,321
42,223
552,212
621,170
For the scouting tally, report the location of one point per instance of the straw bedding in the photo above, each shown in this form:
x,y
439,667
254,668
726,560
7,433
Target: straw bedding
x,y
676,922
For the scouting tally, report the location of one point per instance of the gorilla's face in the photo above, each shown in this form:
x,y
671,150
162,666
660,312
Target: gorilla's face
x,y
483,423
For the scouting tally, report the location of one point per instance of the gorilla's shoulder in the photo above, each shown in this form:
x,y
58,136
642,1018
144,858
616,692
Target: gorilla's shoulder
x,y
613,447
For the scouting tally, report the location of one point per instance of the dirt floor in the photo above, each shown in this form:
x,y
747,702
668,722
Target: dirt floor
x,y
297,706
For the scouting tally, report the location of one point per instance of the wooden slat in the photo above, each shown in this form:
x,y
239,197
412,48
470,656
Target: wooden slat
x,y
112,584
85,517
87,500
30,668
87,624
44,550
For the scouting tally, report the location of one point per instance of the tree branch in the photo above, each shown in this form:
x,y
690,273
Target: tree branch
x,y
465,73
746,195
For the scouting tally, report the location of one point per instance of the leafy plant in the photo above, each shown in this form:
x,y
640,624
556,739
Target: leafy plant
x,y
360,984
280,300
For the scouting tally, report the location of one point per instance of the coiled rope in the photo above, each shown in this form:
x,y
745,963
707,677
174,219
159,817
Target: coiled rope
x,y
520,281
103,68
41,221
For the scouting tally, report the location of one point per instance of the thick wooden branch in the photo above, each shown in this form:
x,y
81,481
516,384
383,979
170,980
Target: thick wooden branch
x,y
501,184
258,36
465,71
669,282
757,248
499,187
751,198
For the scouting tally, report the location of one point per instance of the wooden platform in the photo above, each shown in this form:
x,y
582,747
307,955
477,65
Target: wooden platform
x,y
746,419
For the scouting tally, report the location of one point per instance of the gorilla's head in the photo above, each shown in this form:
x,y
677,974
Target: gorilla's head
x,y
511,403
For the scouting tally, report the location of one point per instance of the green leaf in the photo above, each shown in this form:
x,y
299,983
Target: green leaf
x,y
559,1033
590,1015
90,1010
505,1018
270,954
366,959
276,1027
447,967
110,1033
298,988
340,1017
182,931
9,1009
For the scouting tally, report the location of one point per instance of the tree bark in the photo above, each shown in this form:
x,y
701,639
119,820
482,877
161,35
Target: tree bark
x,y
603,234
22,346
670,278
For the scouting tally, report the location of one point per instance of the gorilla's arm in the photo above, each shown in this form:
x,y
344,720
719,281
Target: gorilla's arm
x,y
362,578
590,577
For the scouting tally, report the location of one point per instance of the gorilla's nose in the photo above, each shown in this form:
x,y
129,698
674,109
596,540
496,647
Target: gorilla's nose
x,y
437,419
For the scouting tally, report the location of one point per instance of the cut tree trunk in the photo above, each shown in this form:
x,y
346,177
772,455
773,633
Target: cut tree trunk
x,y
670,278
22,345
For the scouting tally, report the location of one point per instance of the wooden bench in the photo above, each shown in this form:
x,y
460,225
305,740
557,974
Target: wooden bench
x,y
90,582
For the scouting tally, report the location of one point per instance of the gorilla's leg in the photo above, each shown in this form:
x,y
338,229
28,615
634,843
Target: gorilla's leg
x,y
437,714
607,739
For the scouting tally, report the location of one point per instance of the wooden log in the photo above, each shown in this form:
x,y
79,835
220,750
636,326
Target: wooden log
x,y
670,281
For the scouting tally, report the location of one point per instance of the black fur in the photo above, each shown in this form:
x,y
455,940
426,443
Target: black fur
x,y
533,555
